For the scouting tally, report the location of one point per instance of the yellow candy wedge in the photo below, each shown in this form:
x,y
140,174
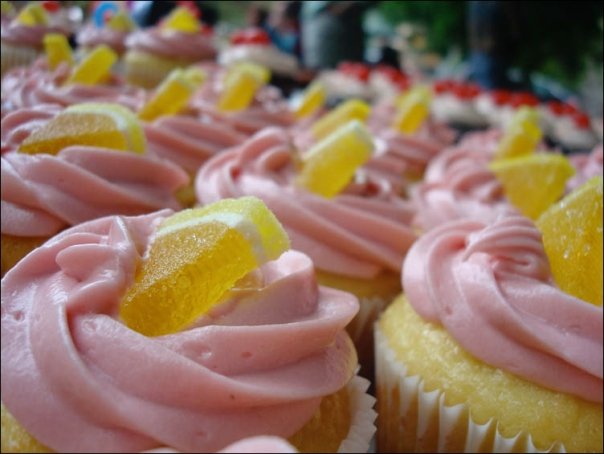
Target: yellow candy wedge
x,y
196,257
239,91
120,22
173,94
522,135
182,20
7,8
97,124
413,109
532,183
57,50
331,163
94,68
313,99
262,73
353,109
33,14
572,237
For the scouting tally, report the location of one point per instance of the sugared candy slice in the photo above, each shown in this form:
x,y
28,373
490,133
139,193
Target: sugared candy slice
x,y
413,109
57,50
120,22
181,19
572,237
33,14
331,163
197,256
532,183
312,100
96,124
522,135
94,68
239,90
353,109
173,94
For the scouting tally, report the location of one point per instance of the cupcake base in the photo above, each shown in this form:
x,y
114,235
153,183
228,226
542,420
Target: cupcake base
x,y
147,70
14,55
432,396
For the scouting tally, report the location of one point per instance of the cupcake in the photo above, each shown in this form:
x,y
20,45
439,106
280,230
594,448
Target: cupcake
x,y
266,108
357,240
483,352
270,358
454,104
43,194
254,45
387,82
348,80
112,32
19,124
22,38
179,41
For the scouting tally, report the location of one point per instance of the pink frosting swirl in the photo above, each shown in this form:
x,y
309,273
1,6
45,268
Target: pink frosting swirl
x,y
18,125
489,285
259,364
91,36
27,35
172,44
268,108
188,141
357,234
587,165
41,194
30,86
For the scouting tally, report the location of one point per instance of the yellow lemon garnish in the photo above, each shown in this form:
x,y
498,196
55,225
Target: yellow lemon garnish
x,y
197,256
522,135
312,99
57,50
532,183
353,109
120,22
182,20
240,87
33,14
413,108
173,94
331,163
572,237
94,68
95,124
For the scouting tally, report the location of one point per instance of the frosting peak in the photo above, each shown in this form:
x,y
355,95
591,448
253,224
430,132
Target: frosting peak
x,y
490,286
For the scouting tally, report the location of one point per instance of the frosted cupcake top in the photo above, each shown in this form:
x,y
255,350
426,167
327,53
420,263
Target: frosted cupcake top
x,y
489,285
258,363
359,233
172,44
42,193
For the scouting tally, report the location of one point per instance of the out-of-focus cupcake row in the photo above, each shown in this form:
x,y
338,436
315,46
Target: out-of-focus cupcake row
x,y
206,260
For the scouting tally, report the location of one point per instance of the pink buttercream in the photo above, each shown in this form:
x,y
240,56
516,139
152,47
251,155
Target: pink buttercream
x,y
19,124
260,365
91,36
268,108
587,165
188,141
27,35
490,286
172,44
41,194
33,85
356,234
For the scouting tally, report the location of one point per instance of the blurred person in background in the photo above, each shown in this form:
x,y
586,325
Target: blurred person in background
x,y
256,16
284,26
149,13
494,36
332,31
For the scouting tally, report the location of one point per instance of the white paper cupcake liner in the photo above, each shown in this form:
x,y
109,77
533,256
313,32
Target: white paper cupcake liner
x,y
403,404
14,55
362,424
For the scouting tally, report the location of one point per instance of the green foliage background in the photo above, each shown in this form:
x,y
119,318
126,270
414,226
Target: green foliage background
x,y
559,37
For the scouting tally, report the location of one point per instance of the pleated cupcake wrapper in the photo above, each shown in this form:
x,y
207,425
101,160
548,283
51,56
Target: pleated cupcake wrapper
x,y
360,330
148,70
13,56
362,424
413,419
